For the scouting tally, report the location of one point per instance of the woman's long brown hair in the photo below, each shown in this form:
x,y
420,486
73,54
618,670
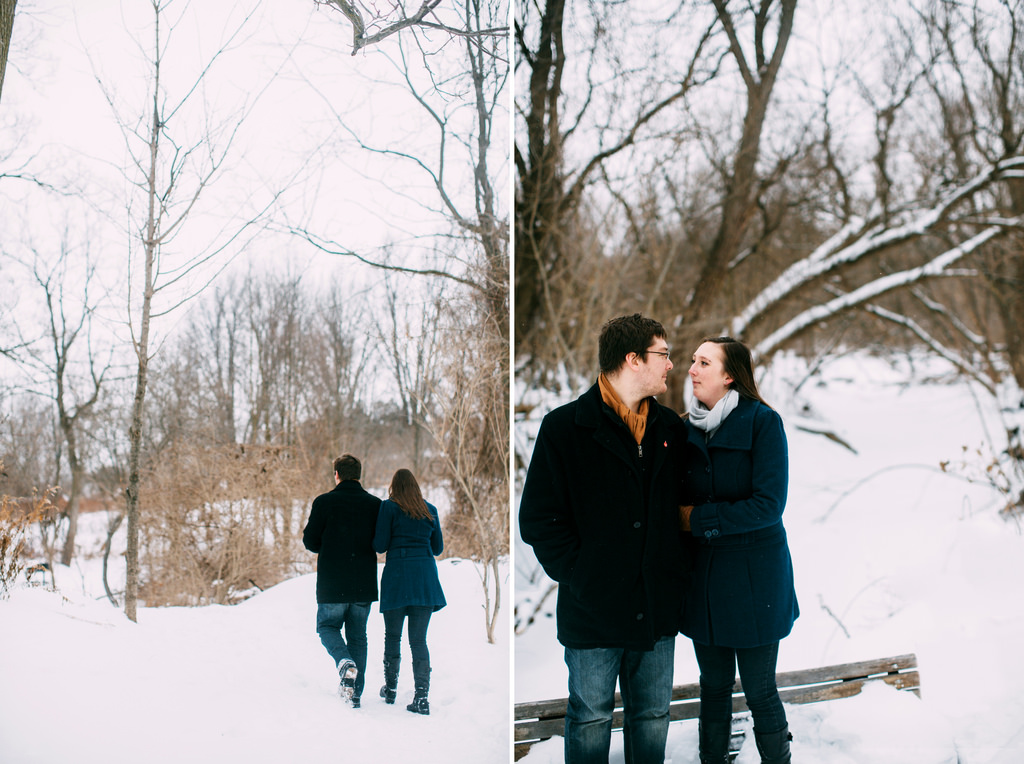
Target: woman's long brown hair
x,y
737,363
405,492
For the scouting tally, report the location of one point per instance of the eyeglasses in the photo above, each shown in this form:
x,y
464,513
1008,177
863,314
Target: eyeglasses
x,y
667,354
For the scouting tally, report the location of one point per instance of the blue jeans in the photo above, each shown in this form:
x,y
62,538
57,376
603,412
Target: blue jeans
x,y
419,620
331,618
645,681
757,672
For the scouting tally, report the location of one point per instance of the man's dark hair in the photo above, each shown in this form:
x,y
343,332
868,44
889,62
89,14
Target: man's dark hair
x,y
624,335
348,467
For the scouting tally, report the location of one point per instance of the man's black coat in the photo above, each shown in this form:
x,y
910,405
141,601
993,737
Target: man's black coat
x,y
602,516
340,530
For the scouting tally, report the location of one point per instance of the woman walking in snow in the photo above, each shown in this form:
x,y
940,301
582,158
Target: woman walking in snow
x,y
409,530
741,601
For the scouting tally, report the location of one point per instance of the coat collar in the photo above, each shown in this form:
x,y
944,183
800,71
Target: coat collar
x,y
611,433
348,485
736,431
592,410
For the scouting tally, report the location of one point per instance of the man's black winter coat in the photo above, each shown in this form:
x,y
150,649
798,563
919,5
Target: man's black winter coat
x,y
602,516
340,530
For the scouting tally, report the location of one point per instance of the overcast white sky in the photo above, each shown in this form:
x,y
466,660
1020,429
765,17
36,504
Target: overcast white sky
x,y
290,67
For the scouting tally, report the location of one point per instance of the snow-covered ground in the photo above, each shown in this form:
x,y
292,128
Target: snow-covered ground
x,y
249,683
892,555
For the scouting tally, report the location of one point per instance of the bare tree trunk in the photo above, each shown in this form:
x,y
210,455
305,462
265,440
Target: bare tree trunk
x,y
111,530
550,193
150,244
740,203
131,592
67,321
539,204
491,610
168,208
6,29
71,511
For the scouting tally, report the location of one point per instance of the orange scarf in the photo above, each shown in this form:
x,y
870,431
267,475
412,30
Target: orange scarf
x,y
637,423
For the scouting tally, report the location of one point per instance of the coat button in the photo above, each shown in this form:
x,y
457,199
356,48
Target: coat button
x,y
636,525
639,616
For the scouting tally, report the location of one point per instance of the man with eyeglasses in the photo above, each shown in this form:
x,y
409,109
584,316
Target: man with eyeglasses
x,y
600,508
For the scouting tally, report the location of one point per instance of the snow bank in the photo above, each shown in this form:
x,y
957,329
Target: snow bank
x,y
246,683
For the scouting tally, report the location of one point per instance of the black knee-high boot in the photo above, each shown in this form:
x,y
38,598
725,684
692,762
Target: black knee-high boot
x,y
774,746
421,676
714,741
390,689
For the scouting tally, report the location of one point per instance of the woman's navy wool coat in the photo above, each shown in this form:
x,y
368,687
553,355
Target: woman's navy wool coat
x,y
410,572
741,593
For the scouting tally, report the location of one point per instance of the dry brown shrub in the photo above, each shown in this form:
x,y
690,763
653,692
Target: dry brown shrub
x,y
17,517
221,523
468,534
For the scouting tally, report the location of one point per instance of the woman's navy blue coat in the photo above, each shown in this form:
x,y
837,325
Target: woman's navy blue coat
x,y
410,572
741,593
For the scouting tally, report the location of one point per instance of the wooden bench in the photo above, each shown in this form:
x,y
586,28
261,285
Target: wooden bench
x,y
545,719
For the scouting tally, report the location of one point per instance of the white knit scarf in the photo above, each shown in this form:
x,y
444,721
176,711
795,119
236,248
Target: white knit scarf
x,y
711,419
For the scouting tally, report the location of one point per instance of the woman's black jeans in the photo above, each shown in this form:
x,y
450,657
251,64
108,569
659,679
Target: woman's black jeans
x,y
757,672
419,620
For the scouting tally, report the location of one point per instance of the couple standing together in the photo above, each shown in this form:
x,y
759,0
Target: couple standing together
x,y
654,525
347,527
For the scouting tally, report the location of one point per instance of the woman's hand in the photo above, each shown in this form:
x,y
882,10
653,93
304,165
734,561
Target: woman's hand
x,y
684,517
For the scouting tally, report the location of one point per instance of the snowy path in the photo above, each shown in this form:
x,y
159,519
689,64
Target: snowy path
x,y
249,683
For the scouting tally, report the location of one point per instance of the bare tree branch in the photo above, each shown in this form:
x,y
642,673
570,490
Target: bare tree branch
x,y
875,288
937,347
364,20
332,249
861,237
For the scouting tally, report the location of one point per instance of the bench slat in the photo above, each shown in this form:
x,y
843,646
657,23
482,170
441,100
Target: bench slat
x,y
540,720
847,671
543,709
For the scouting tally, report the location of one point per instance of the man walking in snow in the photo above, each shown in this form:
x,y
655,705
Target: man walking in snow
x,y
600,507
340,531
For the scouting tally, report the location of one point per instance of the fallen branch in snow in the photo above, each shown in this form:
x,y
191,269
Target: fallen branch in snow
x,y
964,365
828,434
833,616
522,626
